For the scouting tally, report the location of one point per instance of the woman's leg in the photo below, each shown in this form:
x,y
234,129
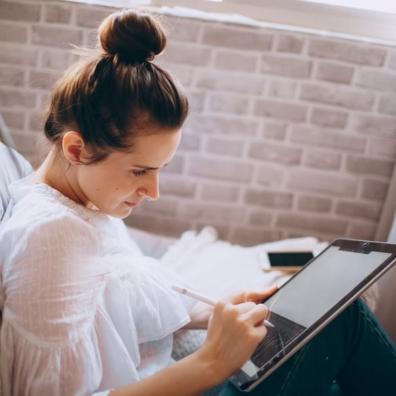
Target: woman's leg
x,y
353,350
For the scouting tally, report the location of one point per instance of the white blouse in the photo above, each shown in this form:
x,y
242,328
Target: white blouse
x,y
83,310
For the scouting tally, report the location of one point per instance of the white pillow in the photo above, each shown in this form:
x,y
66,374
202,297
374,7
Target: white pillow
x,y
12,167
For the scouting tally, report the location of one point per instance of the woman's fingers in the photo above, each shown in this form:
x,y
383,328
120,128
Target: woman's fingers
x,y
256,315
255,296
234,332
258,296
238,298
251,313
245,307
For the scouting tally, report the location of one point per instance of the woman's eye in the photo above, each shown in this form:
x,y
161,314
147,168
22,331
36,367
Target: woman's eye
x,y
139,172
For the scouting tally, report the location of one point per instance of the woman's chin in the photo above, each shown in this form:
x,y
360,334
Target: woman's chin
x,y
120,212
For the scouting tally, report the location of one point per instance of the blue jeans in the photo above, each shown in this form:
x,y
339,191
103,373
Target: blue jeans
x,y
353,351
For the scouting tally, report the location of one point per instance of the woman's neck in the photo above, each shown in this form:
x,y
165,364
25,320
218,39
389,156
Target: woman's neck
x,y
60,175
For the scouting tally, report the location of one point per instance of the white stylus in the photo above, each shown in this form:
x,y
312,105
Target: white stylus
x,y
205,300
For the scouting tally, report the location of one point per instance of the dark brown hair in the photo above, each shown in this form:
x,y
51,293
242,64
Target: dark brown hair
x,y
112,97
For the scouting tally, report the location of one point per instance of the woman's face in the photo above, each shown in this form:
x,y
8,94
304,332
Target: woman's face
x,y
123,180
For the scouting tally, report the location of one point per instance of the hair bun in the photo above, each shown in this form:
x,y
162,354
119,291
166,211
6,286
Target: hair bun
x,y
134,37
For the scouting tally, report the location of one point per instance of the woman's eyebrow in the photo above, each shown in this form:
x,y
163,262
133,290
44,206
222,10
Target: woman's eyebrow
x,y
147,167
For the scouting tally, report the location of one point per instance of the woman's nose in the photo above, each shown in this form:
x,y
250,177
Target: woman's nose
x,y
151,191
151,195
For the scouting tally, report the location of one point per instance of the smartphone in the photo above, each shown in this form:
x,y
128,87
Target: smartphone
x,y
288,261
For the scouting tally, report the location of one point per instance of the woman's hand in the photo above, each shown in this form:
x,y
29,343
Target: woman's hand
x,y
253,296
234,332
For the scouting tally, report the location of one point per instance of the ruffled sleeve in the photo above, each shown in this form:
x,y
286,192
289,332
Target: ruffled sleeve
x,y
156,310
144,313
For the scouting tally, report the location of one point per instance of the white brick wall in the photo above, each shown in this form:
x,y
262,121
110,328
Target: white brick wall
x,y
289,134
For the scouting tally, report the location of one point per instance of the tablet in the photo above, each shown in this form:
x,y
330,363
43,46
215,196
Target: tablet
x,y
311,298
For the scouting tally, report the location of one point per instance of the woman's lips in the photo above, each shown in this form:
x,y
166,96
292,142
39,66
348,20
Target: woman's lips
x,y
131,204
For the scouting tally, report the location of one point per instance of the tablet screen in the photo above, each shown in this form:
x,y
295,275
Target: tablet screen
x,y
323,284
309,297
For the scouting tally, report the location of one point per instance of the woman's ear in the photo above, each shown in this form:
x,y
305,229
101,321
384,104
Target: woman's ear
x,y
74,148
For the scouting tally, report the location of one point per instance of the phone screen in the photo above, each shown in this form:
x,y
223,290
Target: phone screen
x,y
289,259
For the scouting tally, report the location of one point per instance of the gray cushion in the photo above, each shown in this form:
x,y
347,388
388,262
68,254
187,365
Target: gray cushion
x,y
12,167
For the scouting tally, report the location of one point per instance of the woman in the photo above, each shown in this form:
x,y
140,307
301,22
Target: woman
x,y
84,313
